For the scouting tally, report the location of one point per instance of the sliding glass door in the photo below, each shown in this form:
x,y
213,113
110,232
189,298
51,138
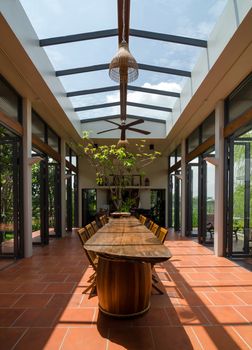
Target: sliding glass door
x,y
11,240
239,218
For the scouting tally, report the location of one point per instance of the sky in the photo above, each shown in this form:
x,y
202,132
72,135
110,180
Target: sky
x,y
190,18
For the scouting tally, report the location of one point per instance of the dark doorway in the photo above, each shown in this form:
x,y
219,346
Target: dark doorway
x,y
89,205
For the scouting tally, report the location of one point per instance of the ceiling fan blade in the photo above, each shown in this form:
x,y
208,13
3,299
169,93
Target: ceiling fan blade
x,y
110,121
139,121
140,131
101,132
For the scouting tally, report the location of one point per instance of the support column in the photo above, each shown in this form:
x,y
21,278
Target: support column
x,y
219,180
27,177
63,185
183,188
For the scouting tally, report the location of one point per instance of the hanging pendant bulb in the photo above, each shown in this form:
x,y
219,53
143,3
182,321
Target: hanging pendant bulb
x,y
123,67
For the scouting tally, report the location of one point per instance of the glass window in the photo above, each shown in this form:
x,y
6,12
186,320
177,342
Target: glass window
x,y
178,158
208,127
240,100
68,153
172,158
53,140
193,141
9,100
38,127
73,158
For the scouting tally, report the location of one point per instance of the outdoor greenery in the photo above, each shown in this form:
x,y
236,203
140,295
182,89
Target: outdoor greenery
x,y
121,164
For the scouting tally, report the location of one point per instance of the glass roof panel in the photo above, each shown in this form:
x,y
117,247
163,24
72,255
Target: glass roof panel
x,y
191,18
52,18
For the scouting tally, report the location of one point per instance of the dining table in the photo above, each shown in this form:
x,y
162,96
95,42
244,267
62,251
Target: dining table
x,y
127,252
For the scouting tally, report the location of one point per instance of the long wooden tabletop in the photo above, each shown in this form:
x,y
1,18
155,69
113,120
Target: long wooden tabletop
x,y
128,238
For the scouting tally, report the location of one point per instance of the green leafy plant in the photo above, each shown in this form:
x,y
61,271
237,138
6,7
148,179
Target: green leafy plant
x,y
119,163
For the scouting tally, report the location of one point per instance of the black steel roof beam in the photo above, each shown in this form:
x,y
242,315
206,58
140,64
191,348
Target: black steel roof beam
x,y
82,69
164,70
106,66
168,38
113,104
103,105
154,91
93,91
78,37
143,105
117,87
117,116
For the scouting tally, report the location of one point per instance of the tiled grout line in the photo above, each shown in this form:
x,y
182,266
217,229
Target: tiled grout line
x,y
248,322
152,338
21,337
198,340
64,337
239,335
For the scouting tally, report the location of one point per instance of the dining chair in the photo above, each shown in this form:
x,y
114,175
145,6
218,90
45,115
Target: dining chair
x,y
92,258
161,235
95,226
149,224
103,220
155,229
90,230
142,219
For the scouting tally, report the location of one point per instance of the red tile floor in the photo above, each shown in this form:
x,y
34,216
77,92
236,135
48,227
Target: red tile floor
x,y
207,303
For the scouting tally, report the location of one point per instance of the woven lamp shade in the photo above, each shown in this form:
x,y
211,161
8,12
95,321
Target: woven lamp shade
x,y
123,67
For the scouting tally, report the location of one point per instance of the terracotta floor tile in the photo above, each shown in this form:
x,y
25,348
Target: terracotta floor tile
x,y
37,317
203,276
245,333
41,338
35,287
224,298
130,338
59,288
76,317
218,338
246,311
8,316
84,339
33,300
154,317
9,337
8,287
54,277
245,296
171,338
225,315
65,300
6,300
185,315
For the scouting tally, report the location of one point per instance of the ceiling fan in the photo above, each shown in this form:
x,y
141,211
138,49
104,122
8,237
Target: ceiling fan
x,y
123,127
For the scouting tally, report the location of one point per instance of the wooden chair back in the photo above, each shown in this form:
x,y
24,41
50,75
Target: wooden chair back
x,y
154,229
95,226
162,233
90,231
103,220
82,235
149,224
142,219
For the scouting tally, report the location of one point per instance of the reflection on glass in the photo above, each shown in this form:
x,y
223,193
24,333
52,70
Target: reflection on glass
x,y
210,197
242,190
6,199
36,193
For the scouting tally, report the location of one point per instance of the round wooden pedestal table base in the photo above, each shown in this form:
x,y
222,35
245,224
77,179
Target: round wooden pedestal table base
x,y
123,286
